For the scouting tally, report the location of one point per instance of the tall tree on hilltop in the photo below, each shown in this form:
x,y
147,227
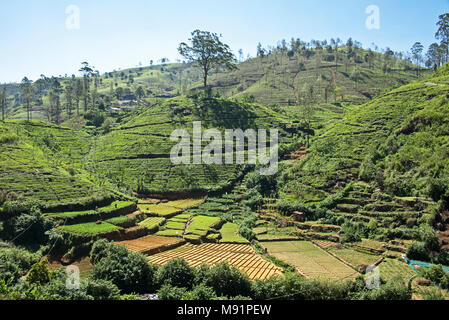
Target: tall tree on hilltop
x,y
3,101
55,100
78,94
69,90
208,52
434,56
443,33
417,50
27,91
140,93
87,72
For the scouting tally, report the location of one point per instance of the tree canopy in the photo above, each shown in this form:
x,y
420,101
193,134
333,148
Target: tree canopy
x,y
208,52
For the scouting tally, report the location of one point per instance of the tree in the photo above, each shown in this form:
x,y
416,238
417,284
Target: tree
x,y
3,102
370,58
27,91
87,72
336,43
417,50
177,273
69,98
434,56
129,271
208,52
227,281
443,33
78,94
140,93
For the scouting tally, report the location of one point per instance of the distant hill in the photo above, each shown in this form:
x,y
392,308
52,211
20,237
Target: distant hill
x,y
281,78
287,78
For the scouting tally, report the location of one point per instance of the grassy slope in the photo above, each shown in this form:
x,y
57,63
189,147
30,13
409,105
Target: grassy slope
x,y
273,79
123,155
400,138
279,79
44,161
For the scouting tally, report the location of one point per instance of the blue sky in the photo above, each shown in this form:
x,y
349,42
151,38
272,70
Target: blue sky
x,y
117,34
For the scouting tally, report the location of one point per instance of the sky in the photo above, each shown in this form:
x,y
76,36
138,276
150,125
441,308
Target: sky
x,y
53,37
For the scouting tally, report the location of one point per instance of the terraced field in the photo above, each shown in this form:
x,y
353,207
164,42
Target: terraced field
x,y
355,258
239,255
310,260
392,268
152,244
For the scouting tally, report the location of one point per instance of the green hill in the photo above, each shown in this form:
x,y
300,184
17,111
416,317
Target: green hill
x,y
136,154
289,78
394,148
44,162
281,78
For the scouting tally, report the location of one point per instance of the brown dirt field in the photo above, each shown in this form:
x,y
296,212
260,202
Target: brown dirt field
x,y
83,264
152,244
324,244
241,256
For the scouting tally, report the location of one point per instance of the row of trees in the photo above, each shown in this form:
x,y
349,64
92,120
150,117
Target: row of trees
x,y
72,97
437,53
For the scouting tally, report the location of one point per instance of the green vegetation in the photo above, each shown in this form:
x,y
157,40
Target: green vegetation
x,y
90,228
363,173
230,233
200,225
152,223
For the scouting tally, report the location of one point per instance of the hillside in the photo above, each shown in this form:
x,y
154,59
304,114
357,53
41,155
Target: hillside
x,y
136,154
292,77
394,148
44,162
280,78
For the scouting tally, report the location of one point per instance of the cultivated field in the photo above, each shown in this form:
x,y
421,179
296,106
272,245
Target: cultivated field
x,y
310,260
152,244
239,255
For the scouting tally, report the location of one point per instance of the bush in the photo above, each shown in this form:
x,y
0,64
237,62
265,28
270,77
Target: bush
x,y
268,289
176,273
201,292
15,262
435,274
40,273
351,232
393,290
27,229
168,292
418,251
129,271
228,281
102,290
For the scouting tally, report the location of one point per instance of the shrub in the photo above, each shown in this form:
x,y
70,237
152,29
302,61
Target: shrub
x,y
129,271
102,289
168,292
435,274
40,273
15,262
177,273
201,292
418,251
267,289
27,229
350,233
393,290
228,281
